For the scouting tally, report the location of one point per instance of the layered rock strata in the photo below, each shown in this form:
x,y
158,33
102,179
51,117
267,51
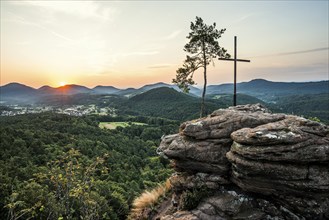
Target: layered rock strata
x,y
282,160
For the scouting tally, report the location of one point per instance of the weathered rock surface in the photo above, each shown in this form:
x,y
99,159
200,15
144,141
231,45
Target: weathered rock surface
x,y
275,178
182,181
221,123
288,156
258,165
208,156
237,205
293,139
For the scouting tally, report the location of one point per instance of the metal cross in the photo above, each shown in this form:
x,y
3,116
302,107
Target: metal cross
x,y
235,67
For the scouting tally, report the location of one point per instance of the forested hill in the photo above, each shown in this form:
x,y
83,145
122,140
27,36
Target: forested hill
x,y
267,90
56,166
307,105
168,103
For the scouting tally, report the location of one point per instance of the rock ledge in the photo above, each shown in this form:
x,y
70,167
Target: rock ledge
x,y
257,164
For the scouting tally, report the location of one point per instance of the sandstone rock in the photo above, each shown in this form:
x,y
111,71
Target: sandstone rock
x,y
183,181
276,165
180,215
243,108
304,206
223,122
234,204
182,148
305,151
275,178
195,166
290,156
291,130
207,156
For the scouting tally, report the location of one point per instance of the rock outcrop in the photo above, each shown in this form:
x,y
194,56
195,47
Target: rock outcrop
x,y
257,165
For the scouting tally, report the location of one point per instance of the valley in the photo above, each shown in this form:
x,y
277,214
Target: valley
x,y
309,99
109,141
73,110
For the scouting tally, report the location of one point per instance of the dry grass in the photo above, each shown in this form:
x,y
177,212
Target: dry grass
x,y
148,200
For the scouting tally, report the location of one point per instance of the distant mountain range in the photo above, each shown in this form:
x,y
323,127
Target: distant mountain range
x,y
265,90
20,92
259,88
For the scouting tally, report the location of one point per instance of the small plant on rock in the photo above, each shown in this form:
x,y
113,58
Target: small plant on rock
x,y
190,199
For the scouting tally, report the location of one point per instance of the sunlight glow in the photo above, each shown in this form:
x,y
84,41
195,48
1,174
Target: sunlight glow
x,y
62,83
90,43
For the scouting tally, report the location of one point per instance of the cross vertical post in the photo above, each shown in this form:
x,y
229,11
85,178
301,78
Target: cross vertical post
x,y
235,57
235,67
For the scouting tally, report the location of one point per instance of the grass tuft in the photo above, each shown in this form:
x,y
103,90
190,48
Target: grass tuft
x,y
148,200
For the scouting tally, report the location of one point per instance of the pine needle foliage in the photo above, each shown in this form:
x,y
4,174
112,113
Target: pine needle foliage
x,y
202,49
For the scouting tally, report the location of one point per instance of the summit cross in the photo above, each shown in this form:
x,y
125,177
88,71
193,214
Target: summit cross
x,y
235,67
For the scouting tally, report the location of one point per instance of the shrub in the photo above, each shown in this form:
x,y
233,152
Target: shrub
x,y
190,199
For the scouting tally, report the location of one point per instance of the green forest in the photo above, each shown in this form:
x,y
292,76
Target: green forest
x,y
307,105
56,166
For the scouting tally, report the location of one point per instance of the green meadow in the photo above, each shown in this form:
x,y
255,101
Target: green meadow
x,y
114,125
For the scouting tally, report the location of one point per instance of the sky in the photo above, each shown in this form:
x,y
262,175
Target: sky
x,y
133,43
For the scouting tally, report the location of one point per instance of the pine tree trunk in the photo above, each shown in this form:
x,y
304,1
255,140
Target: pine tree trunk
x,y
202,111
204,92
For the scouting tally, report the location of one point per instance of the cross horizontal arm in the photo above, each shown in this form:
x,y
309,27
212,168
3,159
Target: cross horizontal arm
x,y
239,60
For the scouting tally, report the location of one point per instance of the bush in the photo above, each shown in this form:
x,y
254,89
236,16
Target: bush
x,y
190,199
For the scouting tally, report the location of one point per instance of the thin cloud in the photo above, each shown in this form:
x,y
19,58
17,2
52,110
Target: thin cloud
x,y
172,35
22,20
103,73
82,9
303,51
140,53
311,69
243,18
293,52
160,66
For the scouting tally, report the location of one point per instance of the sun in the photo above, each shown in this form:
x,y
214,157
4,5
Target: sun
x,y
62,83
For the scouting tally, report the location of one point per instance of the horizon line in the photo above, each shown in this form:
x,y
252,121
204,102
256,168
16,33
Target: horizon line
x,y
128,87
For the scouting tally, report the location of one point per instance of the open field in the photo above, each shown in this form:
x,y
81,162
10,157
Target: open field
x,y
114,125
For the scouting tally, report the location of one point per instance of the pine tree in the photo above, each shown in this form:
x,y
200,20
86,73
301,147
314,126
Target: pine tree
x,y
202,48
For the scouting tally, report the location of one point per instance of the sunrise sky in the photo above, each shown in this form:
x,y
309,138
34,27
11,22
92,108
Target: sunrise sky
x,y
133,43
